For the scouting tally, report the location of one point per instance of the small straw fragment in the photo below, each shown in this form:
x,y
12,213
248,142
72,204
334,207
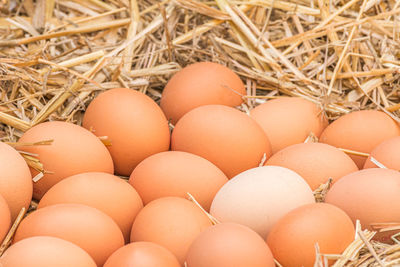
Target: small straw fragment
x,y
7,240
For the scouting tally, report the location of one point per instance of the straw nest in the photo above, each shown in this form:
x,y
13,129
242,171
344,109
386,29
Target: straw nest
x,y
56,56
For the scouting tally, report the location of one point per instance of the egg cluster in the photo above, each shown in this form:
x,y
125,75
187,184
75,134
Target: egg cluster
x,y
209,185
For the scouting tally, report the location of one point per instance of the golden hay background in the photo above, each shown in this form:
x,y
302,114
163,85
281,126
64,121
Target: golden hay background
x,y
56,56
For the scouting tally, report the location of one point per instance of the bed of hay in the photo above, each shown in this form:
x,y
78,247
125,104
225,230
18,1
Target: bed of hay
x,y
56,56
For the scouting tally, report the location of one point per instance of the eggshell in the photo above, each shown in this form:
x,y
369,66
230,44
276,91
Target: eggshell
x,y
371,196
73,150
15,180
293,238
176,173
223,135
87,227
45,251
386,153
227,245
199,84
360,131
142,254
5,218
289,120
171,222
133,123
103,191
259,197
315,162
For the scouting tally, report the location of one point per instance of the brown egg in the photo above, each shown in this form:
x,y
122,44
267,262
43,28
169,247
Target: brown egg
x,y
293,238
5,218
45,251
200,84
142,254
15,180
315,162
133,123
73,150
289,120
176,173
386,153
223,135
103,191
259,197
371,196
360,131
171,222
227,245
86,227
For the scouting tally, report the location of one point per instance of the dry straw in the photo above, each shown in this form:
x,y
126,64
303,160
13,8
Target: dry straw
x,y
56,56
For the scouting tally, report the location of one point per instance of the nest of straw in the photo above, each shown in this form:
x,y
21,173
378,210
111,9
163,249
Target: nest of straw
x,y
56,56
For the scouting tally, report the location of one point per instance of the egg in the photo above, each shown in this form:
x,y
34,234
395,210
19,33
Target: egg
x,y
259,197
144,254
103,191
386,153
371,196
293,238
199,84
5,221
315,162
176,173
223,135
45,251
289,120
171,222
15,180
86,227
133,123
360,131
73,150
227,245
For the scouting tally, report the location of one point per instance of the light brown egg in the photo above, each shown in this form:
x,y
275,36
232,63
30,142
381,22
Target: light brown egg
x,y
142,254
86,227
15,180
293,238
73,150
315,162
223,135
5,218
289,120
176,173
200,84
133,123
227,245
171,222
103,191
45,251
360,131
371,196
386,153
259,197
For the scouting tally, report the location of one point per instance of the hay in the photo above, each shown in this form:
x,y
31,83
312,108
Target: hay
x,y
56,56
